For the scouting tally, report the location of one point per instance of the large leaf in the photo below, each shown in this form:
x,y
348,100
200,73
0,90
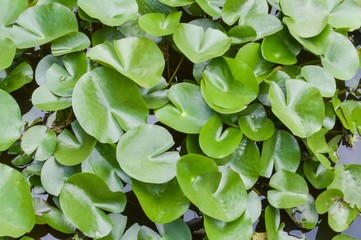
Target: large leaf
x,y
188,113
139,59
17,212
291,190
281,151
199,45
162,203
228,85
157,24
302,111
118,107
8,50
217,142
85,194
341,58
43,23
10,120
218,193
144,147
73,149
109,12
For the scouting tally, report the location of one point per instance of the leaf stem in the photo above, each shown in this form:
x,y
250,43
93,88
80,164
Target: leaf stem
x,y
176,70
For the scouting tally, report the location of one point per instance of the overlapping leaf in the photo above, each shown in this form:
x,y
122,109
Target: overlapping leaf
x,y
72,42
157,24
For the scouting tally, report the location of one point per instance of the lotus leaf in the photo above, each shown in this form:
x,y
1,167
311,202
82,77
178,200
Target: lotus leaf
x,y
109,12
302,111
18,77
73,149
10,120
228,85
157,24
85,194
291,190
17,212
162,203
72,42
217,142
152,143
118,107
139,59
41,24
188,111
44,99
218,193
199,45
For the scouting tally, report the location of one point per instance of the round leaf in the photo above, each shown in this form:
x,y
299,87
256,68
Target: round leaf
x,y
118,104
18,77
144,147
177,229
188,113
85,194
139,59
320,78
162,203
157,24
111,13
119,223
216,142
319,176
56,219
17,212
218,193
199,45
291,190
306,215
72,42
45,100
303,111
10,120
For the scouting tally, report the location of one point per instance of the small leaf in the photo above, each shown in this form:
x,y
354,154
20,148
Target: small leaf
x,y
177,229
8,50
188,113
303,111
177,3
234,9
211,7
157,24
162,203
346,15
56,219
118,107
216,142
291,190
319,176
119,223
73,149
343,237
321,79
72,42
152,143
319,147
18,77
199,45
17,212
306,215
85,194
218,193
45,100
111,13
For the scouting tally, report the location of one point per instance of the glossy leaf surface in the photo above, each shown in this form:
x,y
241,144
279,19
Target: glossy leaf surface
x,y
73,42
157,24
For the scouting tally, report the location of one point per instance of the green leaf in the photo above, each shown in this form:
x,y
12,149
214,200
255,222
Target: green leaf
x,y
211,7
348,112
228,85
264,25
306,215
18,77
10,10
319,176
177,229
245,160
17,212
8,50
303,111
176,3
72,42
102,162
111,13
281,151
254,123
145,147
53,175
10,120
56,219
320,78
341,58
45,100
149,6
39,139
119,223
346,15
254,206
199,45
42,24
157,24
188,112
343,237
348,180
307,18
118,107
218,193
217,142
106,34
73,149
240,228
61,79
139,59
242,34
156,97
85,194
291,190
44,64
281,48
234,9
318,146
162,203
